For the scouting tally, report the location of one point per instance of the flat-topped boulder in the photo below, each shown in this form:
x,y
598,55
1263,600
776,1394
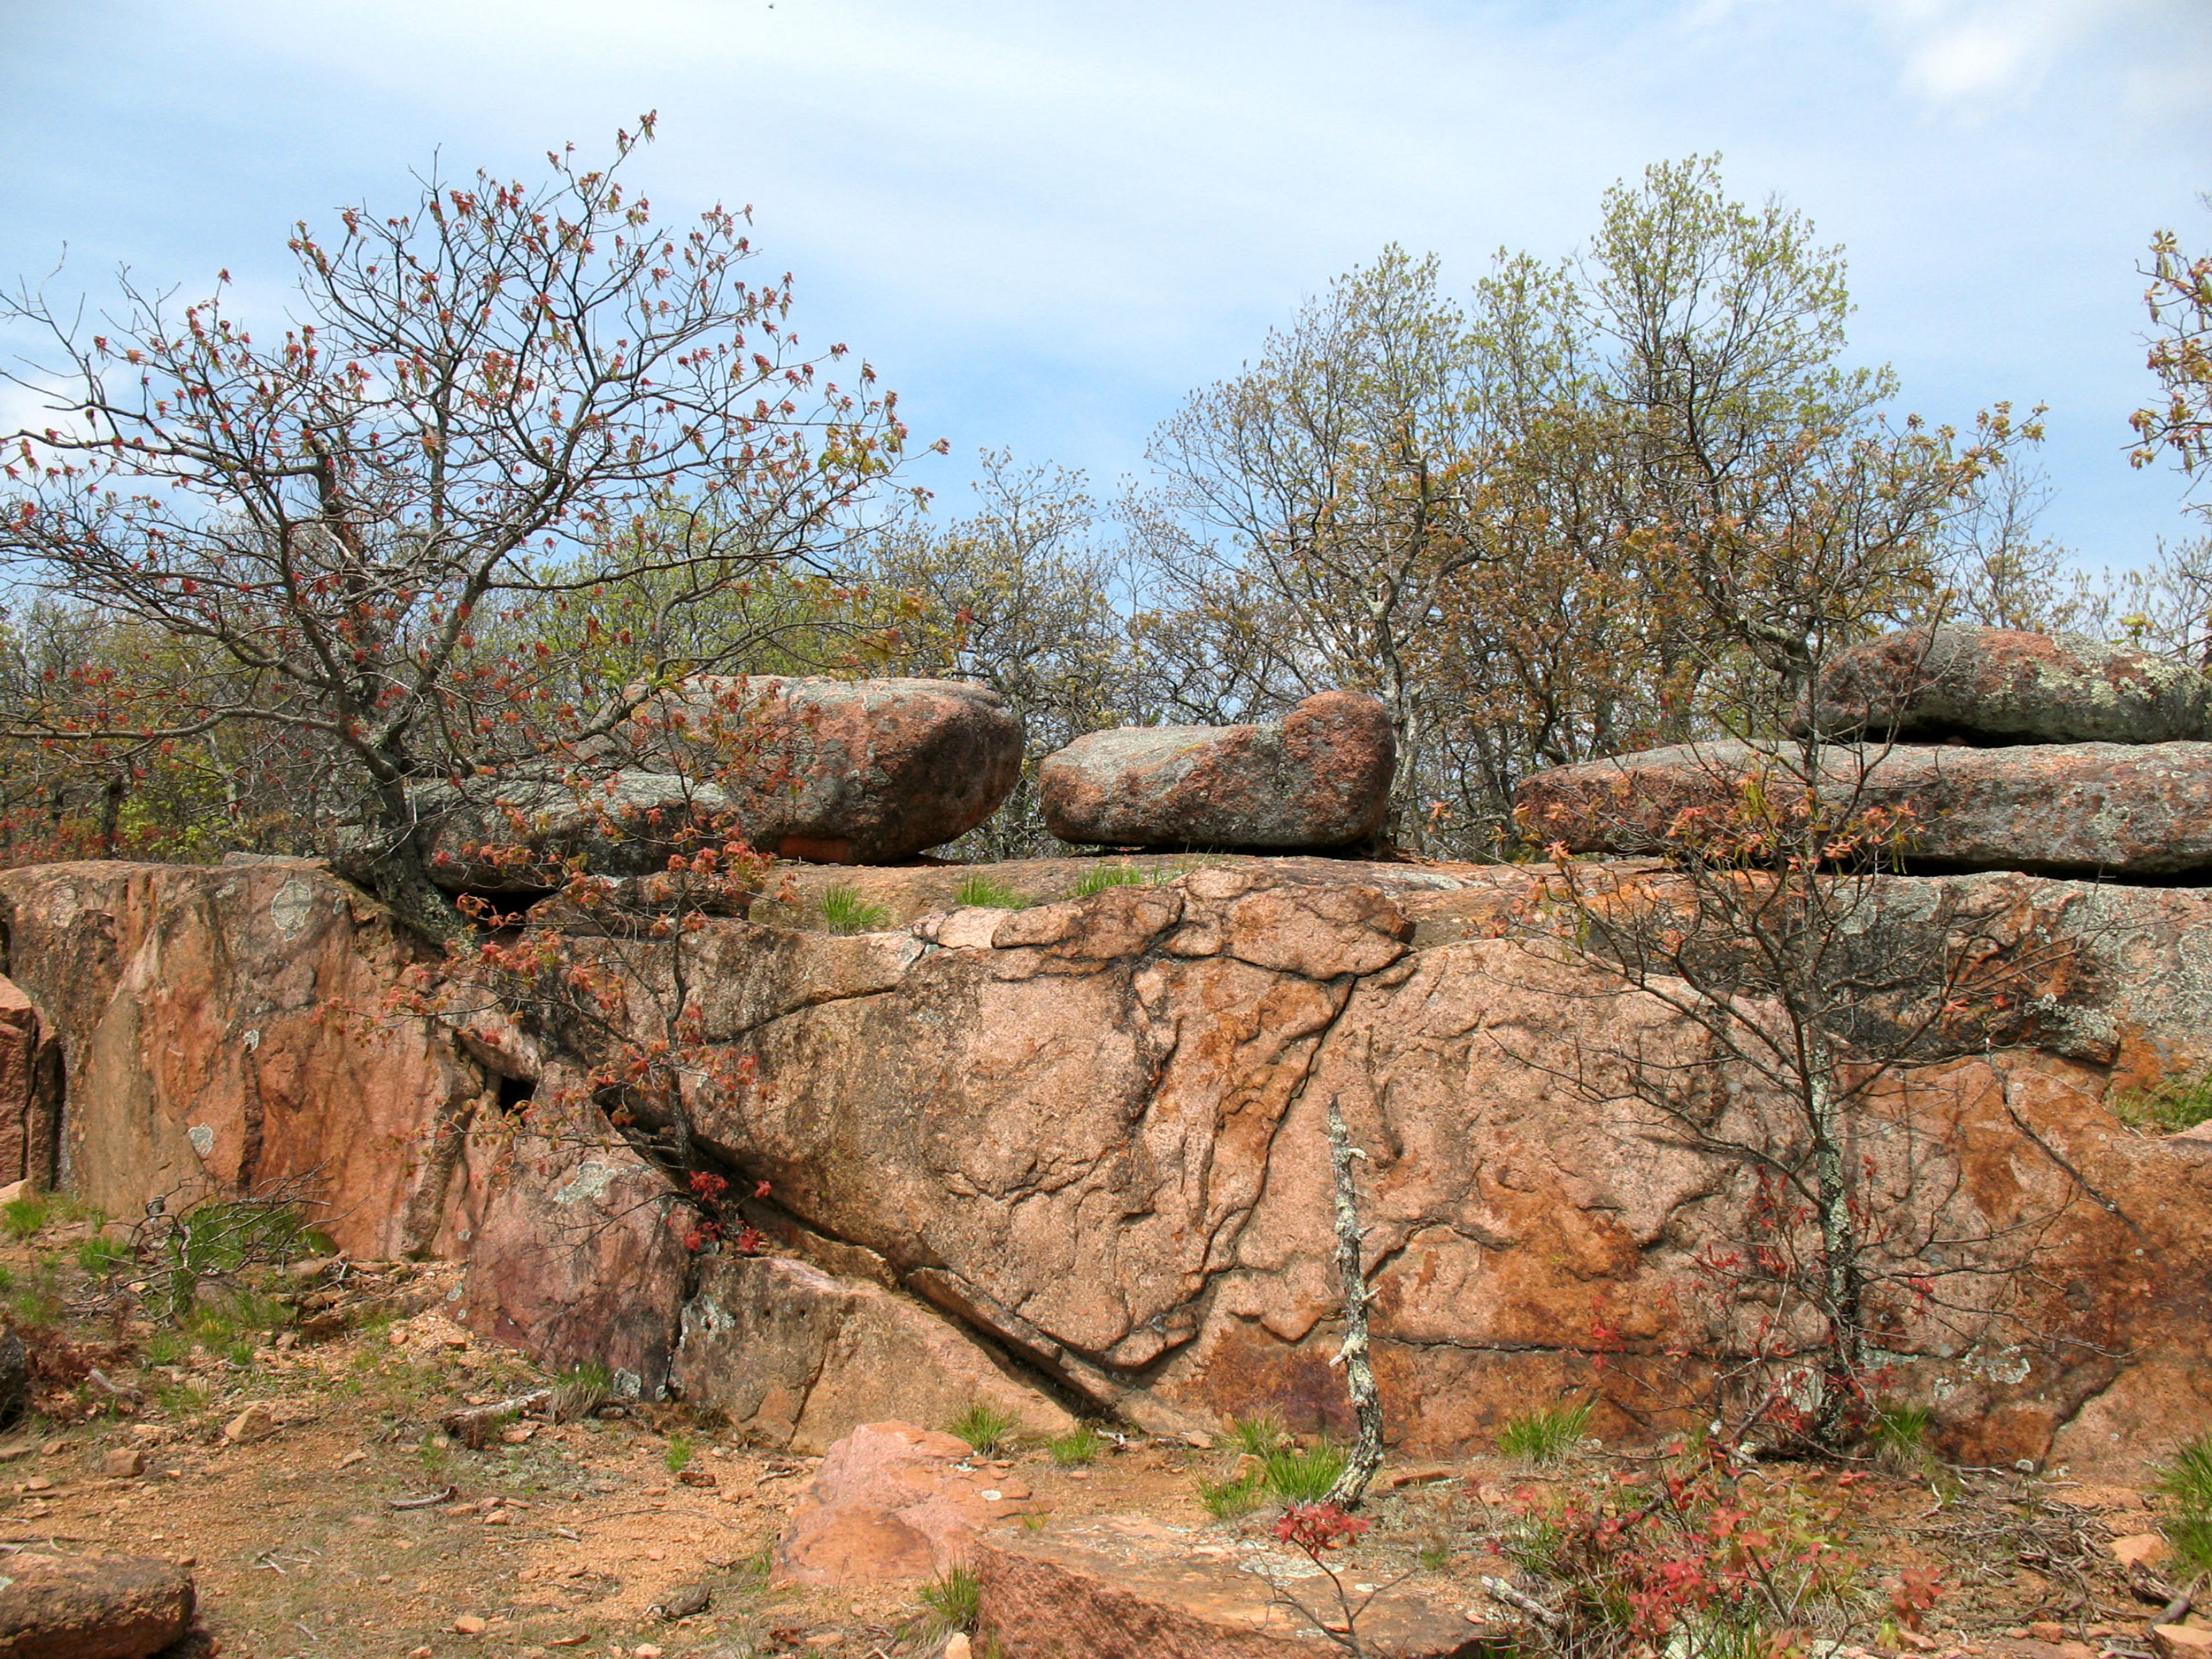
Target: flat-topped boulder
x,y
1998,685
1318,778
840,771
2140,811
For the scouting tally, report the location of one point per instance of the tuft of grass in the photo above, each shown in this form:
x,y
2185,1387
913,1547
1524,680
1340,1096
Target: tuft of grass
x,y
1226,1500
1074,1450
1099,878
950,1601
1901,1438
1259,1433
2186,1484
101,1256
1293,1476
983,893
1545,1435
2167,1109
984,1427
844,911
22,1217
579,1388
679,1452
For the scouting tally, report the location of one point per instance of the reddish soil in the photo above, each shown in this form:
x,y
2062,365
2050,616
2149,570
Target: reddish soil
x,y
573,1537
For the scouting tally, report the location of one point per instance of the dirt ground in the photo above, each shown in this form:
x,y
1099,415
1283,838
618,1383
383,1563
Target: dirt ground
x,y
293,1457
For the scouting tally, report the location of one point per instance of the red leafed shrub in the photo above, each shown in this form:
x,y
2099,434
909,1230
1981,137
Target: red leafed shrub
x,y
1694,1562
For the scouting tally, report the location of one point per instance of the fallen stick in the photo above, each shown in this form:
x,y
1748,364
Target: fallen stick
x,y
421,1503
472,1425
1528,1604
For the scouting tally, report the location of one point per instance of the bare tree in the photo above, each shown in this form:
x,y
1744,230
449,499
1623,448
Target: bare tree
x,y
504,402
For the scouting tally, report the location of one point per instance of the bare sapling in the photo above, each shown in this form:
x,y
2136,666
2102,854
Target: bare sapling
x,y
1356,1355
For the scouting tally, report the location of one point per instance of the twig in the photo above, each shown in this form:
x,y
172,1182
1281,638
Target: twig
x,y
1528,1604
421,1503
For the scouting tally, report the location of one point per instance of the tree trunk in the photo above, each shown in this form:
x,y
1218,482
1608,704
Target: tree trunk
x,y
1366,1455
394,866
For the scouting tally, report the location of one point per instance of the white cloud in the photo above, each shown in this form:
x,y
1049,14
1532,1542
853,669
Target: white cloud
x,y
1969,55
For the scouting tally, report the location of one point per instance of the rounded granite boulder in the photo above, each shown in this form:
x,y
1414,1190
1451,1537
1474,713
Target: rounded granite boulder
x,y
1319,778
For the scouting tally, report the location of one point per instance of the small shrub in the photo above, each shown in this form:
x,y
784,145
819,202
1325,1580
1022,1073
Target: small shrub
x,y
1081,1447
844,911
678,1455
1545,1435
984,1427
1900,1434
22,1217
1226,1500
1293,1476
2186,1484
950,1601
2167,1109
1099,878
983,893
1259,1434
215,1239
1691,1562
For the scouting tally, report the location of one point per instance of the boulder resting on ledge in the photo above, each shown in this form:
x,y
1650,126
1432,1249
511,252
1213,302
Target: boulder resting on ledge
x,y
1318,778
2141,811
1999,685
840,771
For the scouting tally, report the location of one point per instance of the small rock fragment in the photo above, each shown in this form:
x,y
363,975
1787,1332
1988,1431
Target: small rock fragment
x,y
255,1422
2142,1549
469,1625
2045,1630
123,1463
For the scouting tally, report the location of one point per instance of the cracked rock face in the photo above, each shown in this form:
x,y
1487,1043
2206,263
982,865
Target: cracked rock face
x,y
1318,778
1095,1131
30,1092
1091,1132
1996,685
219,1032
2133,811
799,1358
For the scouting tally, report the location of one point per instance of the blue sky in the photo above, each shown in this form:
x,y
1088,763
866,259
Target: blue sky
x,y
1045,223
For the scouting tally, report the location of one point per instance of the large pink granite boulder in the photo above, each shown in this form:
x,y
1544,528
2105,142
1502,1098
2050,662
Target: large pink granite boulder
x,y
1318,778
840,771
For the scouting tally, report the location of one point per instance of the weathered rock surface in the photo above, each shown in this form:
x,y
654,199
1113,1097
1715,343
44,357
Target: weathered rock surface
x,y
800,1358
522,837
1131,1588
115,1607
223,1029
574,1251
890,1503
2132,811
15,1379
30,1092
1996,685
841,771
1318,778
1099,1137
1092,1130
